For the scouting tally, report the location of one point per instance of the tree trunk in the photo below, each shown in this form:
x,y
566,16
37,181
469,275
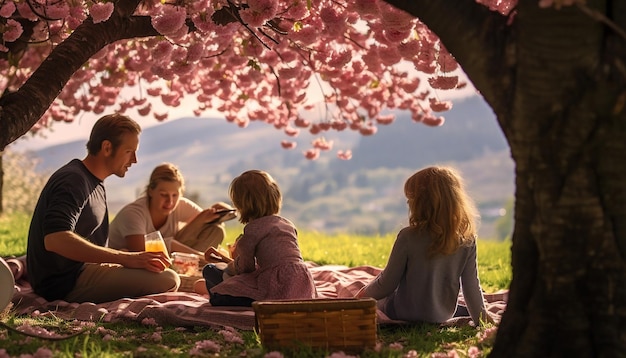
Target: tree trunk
x,y
556,81
1,183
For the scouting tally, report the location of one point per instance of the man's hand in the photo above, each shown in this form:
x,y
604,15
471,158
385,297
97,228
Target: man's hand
x,y
151,261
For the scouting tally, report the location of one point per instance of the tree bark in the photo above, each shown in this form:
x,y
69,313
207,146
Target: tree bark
x,y
556,81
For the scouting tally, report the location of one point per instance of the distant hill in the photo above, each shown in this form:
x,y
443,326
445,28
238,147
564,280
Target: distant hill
x,y
363,194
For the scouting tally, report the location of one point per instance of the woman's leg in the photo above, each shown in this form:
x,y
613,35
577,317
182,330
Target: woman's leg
x,y
210,235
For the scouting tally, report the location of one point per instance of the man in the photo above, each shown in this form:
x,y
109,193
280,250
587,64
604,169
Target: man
x,y
66,257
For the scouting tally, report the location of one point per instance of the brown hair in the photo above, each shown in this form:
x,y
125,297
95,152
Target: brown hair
x,y
439,204
111,127
166,172
255,194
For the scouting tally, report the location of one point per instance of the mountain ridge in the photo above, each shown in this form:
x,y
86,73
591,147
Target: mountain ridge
x,y
210,152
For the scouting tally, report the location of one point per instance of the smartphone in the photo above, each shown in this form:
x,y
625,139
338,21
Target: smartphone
x,y
225,211
221,214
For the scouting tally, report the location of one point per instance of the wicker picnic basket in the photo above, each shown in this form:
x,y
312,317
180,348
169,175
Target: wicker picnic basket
x,y
331,324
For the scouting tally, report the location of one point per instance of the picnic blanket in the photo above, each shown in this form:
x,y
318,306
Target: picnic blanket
x,y
191,309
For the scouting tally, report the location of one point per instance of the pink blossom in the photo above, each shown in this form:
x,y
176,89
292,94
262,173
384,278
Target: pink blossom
x,y
252,18
171,99
312,154
292,132
439,106
160,116
443,82
432,121
259,11
344,155
155,91
24,9
339,125
446,62
273,354
7,9
231,336
307,35
301,122
288,72
287,144
43,353
368,130
322,144
393,18
315,129
334,21
396,346
298,10
385,119
474,352
162,51
411,354
13,31
366,7
339,59
170,20
396,36
57,10
389,56
340,354
101,12
195,52
409,49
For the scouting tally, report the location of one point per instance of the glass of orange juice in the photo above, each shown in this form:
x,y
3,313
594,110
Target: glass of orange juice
x,y
155,242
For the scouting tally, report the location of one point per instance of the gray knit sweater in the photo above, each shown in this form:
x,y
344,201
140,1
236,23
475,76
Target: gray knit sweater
x,y
415,288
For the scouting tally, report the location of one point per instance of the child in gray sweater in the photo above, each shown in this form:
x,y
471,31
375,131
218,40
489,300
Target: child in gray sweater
x,y
435,256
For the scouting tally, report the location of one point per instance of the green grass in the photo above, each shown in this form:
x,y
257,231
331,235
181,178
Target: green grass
x,y
133,339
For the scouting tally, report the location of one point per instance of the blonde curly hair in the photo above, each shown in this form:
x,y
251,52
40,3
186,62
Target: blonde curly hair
x,y
438,203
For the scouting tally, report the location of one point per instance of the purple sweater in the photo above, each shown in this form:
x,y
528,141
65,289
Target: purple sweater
x,y
413,287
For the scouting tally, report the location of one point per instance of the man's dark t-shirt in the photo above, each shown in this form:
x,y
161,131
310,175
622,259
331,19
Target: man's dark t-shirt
x,y
72,200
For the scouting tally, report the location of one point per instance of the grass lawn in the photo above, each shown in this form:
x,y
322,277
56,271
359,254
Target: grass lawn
x,y
149,340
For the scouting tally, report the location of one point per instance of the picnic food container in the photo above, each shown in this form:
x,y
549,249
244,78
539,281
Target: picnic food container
x,y
332,324
186,264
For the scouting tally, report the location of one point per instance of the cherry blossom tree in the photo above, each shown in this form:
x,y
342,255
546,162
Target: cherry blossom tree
x,y
253,61
552,70
554,74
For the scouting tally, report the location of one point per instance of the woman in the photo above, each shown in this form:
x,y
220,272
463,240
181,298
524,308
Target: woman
x,y
434,256
183,224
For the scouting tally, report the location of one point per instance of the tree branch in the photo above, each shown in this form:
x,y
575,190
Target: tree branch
x,y
20,110
477,37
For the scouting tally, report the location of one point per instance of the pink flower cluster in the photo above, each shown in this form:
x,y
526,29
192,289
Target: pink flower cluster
x,y
350,63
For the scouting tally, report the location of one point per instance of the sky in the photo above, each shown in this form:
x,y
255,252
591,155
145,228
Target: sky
x,y
80,128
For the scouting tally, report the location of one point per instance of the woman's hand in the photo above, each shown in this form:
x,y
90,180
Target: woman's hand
x,y
208,215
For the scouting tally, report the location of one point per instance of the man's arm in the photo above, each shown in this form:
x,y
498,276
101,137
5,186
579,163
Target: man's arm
x,y
72,246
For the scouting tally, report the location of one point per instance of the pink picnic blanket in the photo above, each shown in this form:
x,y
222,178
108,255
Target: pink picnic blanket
x,y
191,309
